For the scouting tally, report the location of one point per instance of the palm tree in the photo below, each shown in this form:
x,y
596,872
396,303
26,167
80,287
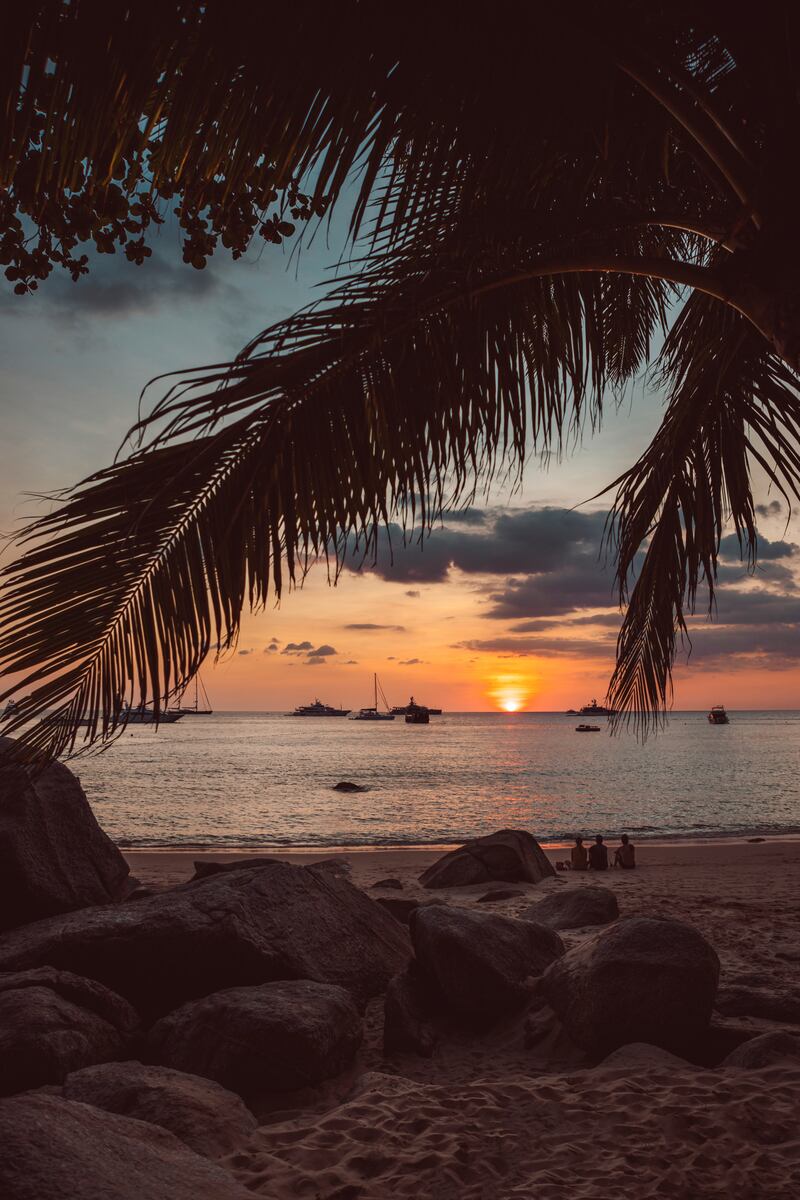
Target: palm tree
x,y
541,193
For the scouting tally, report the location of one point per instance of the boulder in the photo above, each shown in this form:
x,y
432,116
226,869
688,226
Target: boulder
x,y
770,1004
54,857
204,1115
346,785
52,1022
239,927
510,855
477,962
273,1038
767,1050
203,868
53,1148
401,907
393,884
644,979
407,1025
575,908
641,1055
499,894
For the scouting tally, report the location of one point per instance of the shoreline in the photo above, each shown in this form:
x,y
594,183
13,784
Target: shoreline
x,y
277,849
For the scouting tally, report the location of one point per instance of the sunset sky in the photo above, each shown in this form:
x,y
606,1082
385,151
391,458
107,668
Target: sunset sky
x,y
508,605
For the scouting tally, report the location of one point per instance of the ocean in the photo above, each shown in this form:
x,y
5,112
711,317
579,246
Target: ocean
x,y
267,780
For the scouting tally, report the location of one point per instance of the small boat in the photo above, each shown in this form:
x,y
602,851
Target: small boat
x,y
142,715
595,710
194,710
318,709
417,714
718,716
587,728
374,713
402,710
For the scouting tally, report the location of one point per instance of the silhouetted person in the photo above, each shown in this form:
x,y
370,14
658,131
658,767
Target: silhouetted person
x,y
578,858
625,855
598,855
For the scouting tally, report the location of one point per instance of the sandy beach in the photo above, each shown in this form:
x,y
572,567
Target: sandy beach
x,y
494,1116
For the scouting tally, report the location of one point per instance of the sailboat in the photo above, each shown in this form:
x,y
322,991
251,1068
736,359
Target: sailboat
x,y
374,713
194,710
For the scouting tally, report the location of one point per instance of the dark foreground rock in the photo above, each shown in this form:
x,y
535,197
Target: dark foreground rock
x,y
53,1149
478,962
239,927
204,1115
54,857
346,785
765,1051
771,1004
392,884
274,1038
499,894
401,907
510,855
575,908
643,979
204,868
52,1022
642,1055
407,1024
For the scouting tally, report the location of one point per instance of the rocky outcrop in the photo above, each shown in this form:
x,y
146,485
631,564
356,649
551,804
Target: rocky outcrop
x,y
274,1038
391,884
770,1004
767,1050
477,962
54,857
499,894
401,907
407,1024
207,1117
643,979
240,927
575,908
54,1148
510,855
203,868
52,1022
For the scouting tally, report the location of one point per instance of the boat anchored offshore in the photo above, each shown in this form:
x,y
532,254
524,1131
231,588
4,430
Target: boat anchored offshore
x,y
402,710
718,716
194,710
595,710
318,709
587,728
374,713
417,714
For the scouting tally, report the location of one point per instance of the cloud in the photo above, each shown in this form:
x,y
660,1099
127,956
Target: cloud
x,y
315,662
115,289
413,594
351,662
773,509
268,649
367,626
729,548
242,653
544,647
411,662
323,652
297,648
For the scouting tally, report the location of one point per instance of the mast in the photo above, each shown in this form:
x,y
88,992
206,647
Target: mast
x,y
375,682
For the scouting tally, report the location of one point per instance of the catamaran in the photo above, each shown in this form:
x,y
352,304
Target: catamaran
x,y
374,713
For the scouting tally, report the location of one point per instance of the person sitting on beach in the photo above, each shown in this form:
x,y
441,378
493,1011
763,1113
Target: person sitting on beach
x,y
598,855
625,855
578,857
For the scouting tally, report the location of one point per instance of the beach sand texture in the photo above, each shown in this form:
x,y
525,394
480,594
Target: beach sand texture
x,y
489,1117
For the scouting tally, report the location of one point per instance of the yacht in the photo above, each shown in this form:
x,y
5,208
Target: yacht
x,y
595,710
194,710
374,713
417,714
318,709
718,716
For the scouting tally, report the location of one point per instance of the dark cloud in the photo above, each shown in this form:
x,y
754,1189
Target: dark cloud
x,y
268,649
351,662
773,509
466,516
315,662
243,653
322,652
749,646
366,626
544,647
297,648
612,620
729,548
116,289
413,594
410,662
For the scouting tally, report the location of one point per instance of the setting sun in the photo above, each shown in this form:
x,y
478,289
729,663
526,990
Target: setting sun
x,y
511,703
511,692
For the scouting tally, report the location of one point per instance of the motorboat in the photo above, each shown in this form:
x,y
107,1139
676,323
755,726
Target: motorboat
x,y
587,728
402,710
374,713
417,714
318,709
595,710
718,716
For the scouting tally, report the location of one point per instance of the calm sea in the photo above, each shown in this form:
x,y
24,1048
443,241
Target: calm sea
x,y
264,779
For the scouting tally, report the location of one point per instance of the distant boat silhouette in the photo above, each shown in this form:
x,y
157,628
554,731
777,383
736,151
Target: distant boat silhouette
x,y
402,710
374,713
718,716
595,710
318,709
194,710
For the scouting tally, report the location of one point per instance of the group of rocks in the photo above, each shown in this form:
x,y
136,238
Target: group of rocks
x,y
179,1009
